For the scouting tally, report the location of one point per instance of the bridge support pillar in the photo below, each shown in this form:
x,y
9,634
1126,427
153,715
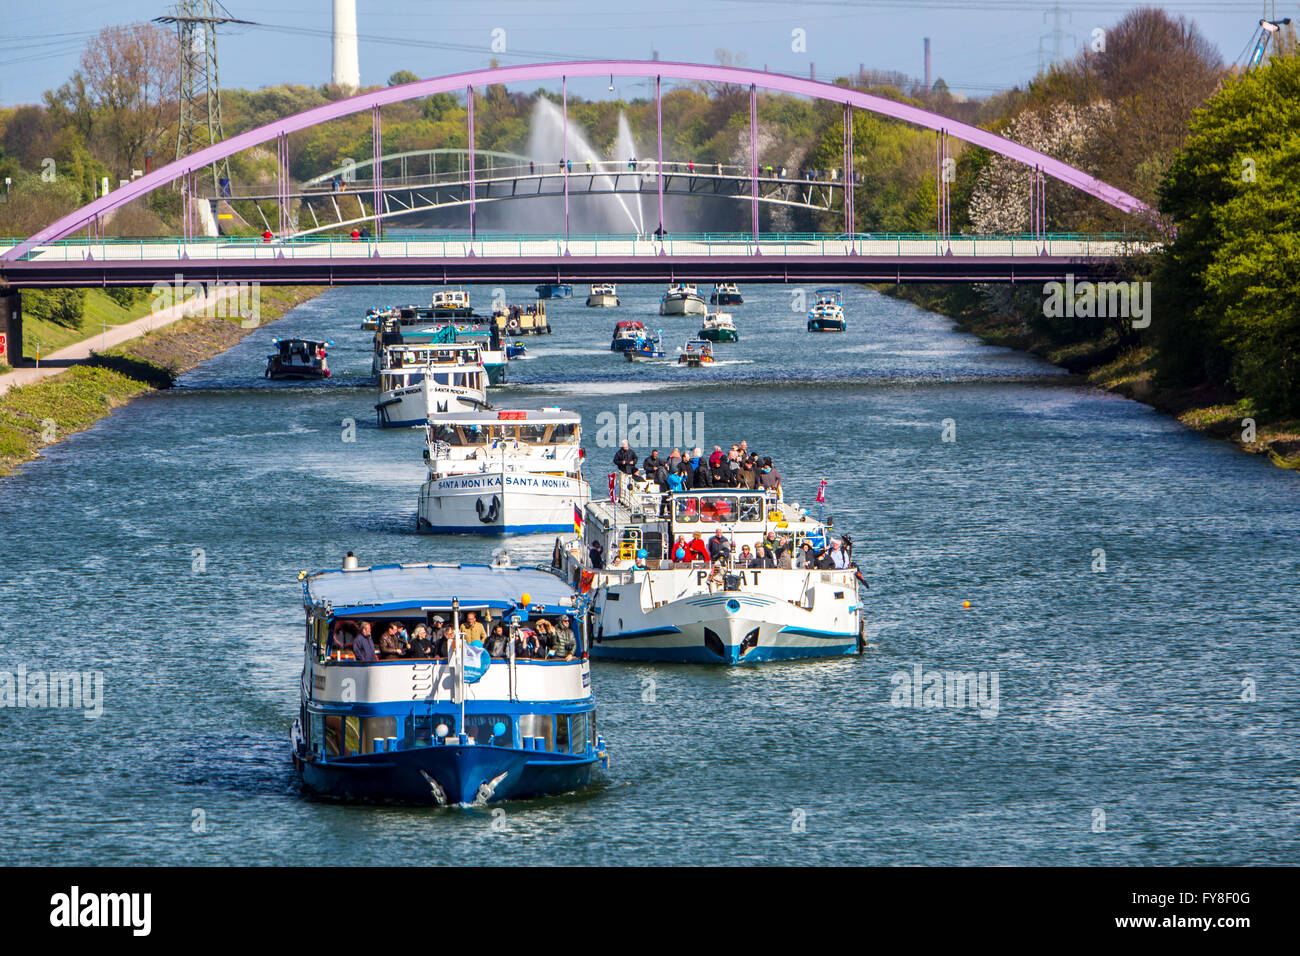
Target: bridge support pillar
x,y
473,187
753,162
659,146
849,224
11,302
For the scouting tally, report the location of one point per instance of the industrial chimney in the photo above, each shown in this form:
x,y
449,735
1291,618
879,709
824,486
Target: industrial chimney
x,y
927,55
346,71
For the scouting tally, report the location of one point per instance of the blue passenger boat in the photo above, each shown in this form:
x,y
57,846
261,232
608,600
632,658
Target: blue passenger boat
x,y
450,719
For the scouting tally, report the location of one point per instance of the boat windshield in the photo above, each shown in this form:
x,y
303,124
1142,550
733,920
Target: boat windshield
x,y
459,434
712,509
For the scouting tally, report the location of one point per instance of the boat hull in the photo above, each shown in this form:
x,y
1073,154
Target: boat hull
x,y
602,301
720,335
514,503
727,298
724,627
459,770
690,305
557,291
411,406
827,325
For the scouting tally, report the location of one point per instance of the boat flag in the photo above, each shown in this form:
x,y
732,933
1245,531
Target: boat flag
x,y
477,662
821,491
577,520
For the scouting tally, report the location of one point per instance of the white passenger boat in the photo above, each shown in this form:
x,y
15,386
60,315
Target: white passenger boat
x,y
444,718
603,295
682,299
510,471
649,607
416,381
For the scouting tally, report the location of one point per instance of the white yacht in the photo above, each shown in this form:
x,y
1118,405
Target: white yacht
x,y
416,381
649,606
510,471
603,295
682,298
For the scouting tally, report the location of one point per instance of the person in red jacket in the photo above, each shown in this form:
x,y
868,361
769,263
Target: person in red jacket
x,y
356,233
266,235
697,549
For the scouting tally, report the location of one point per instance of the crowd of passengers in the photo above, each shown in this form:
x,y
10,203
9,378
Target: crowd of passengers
x,y
773,551
537,639
737,468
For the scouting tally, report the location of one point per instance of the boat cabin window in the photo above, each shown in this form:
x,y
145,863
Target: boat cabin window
x,y
421,729
536,725
490,729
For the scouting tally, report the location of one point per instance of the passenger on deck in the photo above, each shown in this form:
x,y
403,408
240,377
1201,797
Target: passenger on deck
x,y
834,557
564,644
472,630
363,646
748,474
596,555
391,645
806,556
625,459
698,550
681,552
639,564
437,637
498,642
719,547
421,648
715,458
717,577
702,477
528,644
651,464
745,559
769,478
676,481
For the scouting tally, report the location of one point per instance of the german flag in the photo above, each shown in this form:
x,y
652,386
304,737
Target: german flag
x,y
577,520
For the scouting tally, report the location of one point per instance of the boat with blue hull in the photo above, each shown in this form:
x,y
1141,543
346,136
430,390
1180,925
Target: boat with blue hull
x,y
459,719
555,290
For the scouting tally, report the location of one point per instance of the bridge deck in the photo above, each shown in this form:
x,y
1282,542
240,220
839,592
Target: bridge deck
x,y
579,259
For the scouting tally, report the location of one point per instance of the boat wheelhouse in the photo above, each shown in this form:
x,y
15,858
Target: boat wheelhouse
x,y
827,313
723,610
494,355
627,334
416,381
646,348
450,304
403,315
522,320
451,721
509,471
554,290
726,293
696,352
298,358
719,327
682,298
603,295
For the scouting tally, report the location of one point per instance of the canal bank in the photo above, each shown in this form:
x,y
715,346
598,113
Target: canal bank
x,y
1103,361
80,384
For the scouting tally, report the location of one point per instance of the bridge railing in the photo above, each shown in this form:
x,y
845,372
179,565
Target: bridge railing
x,y
694,245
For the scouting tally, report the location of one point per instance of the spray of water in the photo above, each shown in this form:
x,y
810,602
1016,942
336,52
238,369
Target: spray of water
x,y
546,146
625,145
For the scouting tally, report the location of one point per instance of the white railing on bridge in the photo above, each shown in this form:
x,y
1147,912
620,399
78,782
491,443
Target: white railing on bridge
x,y
612,246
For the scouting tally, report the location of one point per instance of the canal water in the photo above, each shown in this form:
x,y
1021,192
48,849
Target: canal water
x,y
1132,590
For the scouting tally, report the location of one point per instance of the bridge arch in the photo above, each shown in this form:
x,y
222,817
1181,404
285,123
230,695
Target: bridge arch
x,y
777,82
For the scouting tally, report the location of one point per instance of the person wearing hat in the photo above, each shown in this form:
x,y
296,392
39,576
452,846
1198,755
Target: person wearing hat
x,y
438,639
563,644
639,564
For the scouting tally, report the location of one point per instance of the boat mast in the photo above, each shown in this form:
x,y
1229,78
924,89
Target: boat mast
x,y
460,669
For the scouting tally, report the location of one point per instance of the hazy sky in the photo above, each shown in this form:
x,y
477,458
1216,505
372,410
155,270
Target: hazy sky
x,y
977,46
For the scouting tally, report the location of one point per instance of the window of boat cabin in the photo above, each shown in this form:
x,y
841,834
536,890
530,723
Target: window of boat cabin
x,y
420,728
342,735
484,729
537,725
372,727
577,733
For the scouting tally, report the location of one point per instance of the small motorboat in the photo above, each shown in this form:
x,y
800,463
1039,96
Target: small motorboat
x,y
646,348
696,352
555,290
298,358
450,304
603,295
827,313
719,327
682,299
626,335
726,293
516,350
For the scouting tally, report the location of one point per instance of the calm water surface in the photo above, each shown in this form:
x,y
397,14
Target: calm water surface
x,y
1120,692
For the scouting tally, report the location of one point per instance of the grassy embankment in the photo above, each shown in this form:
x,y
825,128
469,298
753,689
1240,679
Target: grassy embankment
x,y
1128,370
33,416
